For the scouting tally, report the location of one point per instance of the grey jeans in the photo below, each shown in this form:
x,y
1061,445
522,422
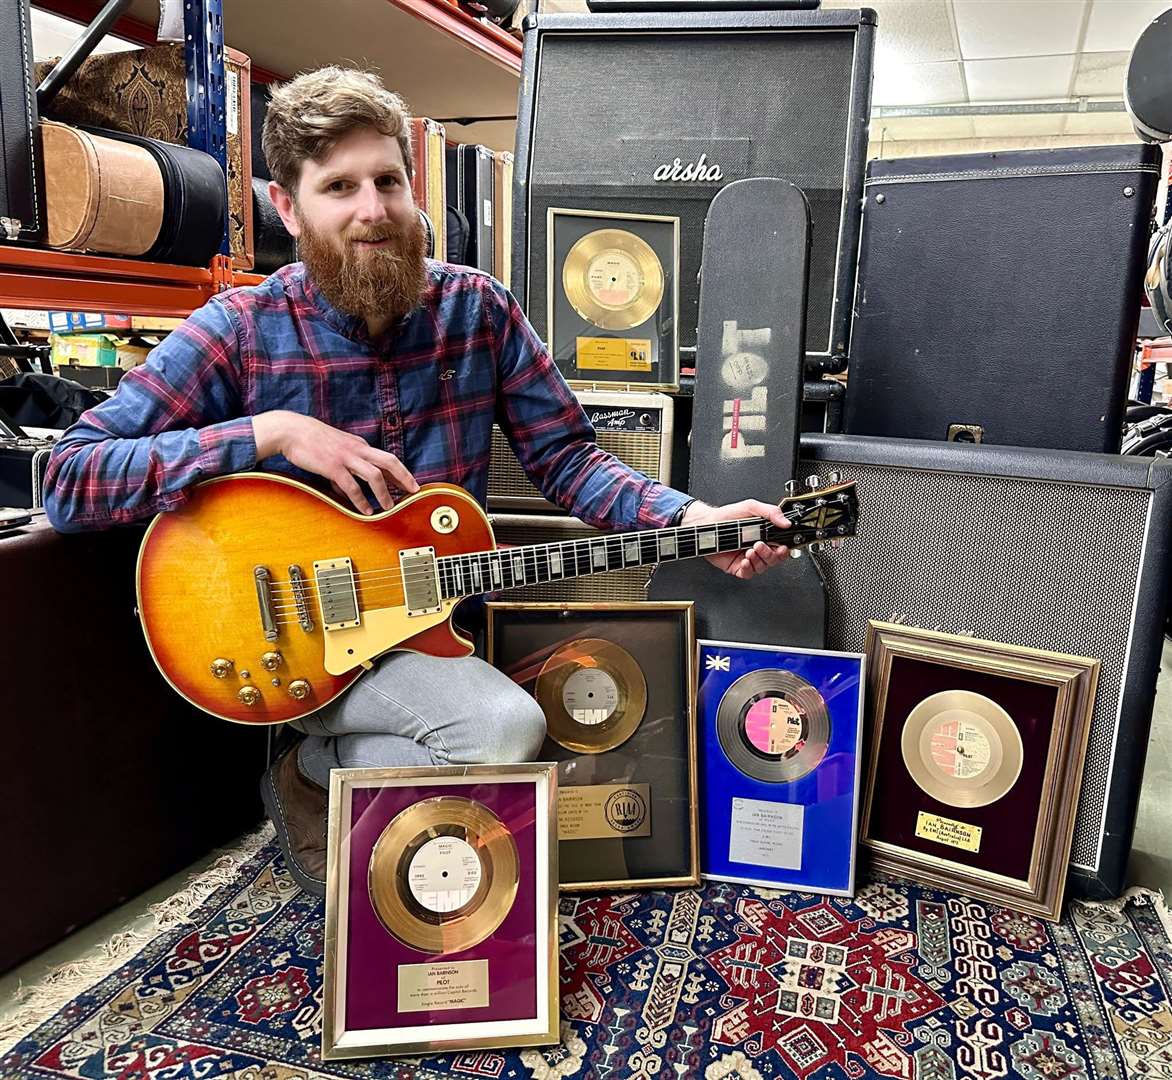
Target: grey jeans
x,y
422,710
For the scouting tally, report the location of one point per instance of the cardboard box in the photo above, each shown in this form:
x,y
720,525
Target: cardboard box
x,y
99,350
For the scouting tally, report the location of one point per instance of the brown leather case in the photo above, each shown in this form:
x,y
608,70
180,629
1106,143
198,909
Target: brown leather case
x,y
100,195
144,92
502,168
428,183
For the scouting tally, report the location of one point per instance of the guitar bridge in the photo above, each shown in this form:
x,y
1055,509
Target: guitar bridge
x,y
336,593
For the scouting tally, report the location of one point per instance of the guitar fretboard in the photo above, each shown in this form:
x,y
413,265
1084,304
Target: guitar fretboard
x,y
533,564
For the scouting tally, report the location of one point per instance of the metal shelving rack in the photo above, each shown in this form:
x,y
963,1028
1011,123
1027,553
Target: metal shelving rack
x,y
44,278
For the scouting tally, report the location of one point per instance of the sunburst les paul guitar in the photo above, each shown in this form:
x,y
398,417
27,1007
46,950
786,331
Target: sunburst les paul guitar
x,y
262,599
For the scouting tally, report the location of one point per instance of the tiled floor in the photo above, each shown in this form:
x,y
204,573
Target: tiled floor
x,y
1151,862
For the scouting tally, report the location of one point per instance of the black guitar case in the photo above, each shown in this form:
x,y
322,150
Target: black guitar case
x,y
22,185
747,408
274,246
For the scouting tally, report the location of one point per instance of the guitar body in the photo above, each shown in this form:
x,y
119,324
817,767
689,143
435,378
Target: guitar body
x,y
269,660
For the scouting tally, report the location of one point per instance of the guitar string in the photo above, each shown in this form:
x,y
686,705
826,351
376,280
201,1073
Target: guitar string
x,y
609,537
286,591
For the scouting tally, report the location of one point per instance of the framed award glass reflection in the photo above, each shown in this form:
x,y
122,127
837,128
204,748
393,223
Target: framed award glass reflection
x,y
615,683
976,763
441,894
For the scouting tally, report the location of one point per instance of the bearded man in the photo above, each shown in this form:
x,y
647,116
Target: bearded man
x,y
366,369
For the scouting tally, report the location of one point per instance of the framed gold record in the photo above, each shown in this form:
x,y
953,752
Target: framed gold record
x,y
593,693
613,294
616,684
441,910
976,763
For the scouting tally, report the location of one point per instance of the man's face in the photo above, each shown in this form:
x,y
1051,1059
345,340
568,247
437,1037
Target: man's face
x,y
358,231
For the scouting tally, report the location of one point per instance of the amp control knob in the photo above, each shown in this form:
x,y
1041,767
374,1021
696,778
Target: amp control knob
x,y
221,667
249,695
299,689
270,661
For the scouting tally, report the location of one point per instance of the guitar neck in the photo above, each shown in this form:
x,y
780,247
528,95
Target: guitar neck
x,y
532,564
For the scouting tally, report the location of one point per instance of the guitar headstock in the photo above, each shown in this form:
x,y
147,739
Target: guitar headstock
x,y
820,514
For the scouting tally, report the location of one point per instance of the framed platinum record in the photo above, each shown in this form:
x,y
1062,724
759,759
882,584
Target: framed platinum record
x,y
780,745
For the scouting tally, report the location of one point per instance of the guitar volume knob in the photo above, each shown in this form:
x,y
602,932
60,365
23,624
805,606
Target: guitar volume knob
x,y
270,661
221,667
248,695
299,689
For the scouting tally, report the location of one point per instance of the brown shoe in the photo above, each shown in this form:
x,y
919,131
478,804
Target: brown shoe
x,y
298,809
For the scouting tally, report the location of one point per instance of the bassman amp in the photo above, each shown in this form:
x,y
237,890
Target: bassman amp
x,y
513,529
636,428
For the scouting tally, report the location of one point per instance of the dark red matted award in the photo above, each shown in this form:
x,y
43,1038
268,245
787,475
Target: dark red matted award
x,y
976,763
440,910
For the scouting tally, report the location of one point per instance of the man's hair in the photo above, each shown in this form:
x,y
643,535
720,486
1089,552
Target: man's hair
x,y
310,114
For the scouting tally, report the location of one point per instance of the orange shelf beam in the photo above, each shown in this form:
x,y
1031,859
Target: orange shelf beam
x,y
489,40
37,278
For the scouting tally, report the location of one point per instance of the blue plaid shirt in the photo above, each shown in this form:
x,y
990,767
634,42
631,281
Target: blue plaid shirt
x,y
428,390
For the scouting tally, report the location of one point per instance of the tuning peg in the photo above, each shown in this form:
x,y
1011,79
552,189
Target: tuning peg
x,y
834,478
795,553
816,547
813,482
791,487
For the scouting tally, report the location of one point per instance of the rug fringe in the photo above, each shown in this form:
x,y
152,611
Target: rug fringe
x,y
36,1003
1139,894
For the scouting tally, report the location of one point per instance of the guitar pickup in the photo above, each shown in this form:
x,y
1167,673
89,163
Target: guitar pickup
x,y
337,594
421,585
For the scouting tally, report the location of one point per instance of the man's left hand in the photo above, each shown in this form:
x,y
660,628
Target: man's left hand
x,y
753,560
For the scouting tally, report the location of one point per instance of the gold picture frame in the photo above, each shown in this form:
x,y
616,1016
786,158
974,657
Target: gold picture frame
x,y
644,629
394,982
970,737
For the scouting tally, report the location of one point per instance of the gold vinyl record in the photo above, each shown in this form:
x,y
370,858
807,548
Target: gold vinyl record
x,y
593,694
613,279
962,748
443,875
773,725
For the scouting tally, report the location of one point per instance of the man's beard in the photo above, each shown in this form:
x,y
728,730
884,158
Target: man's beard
x,y
371,282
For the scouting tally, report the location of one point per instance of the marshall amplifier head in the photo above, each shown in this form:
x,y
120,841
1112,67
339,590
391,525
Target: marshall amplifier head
x,y
636,428
696,100
512,530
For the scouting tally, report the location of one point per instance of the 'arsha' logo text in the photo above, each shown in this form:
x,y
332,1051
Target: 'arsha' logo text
x,y
696,171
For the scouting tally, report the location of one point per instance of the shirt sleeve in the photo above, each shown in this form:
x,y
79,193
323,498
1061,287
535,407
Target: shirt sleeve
x,y
175,420
553,439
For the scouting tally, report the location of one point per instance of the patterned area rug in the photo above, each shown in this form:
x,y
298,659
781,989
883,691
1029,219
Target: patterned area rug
x,y
725,983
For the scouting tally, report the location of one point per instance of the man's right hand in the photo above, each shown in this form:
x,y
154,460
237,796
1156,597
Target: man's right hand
x,y
343,459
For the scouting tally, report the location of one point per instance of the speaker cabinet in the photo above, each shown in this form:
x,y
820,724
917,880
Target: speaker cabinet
x,y
511,530
1061,551
636,428
693,101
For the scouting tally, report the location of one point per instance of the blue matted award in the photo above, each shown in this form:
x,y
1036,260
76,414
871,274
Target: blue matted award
x,y
780,742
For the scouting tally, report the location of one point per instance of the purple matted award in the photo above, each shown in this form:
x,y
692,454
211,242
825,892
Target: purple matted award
x,y
440,910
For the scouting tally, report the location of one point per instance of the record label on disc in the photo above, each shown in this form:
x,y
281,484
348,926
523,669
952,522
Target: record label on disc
x,y
614,278
444,874
773,725
959,747
590,696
